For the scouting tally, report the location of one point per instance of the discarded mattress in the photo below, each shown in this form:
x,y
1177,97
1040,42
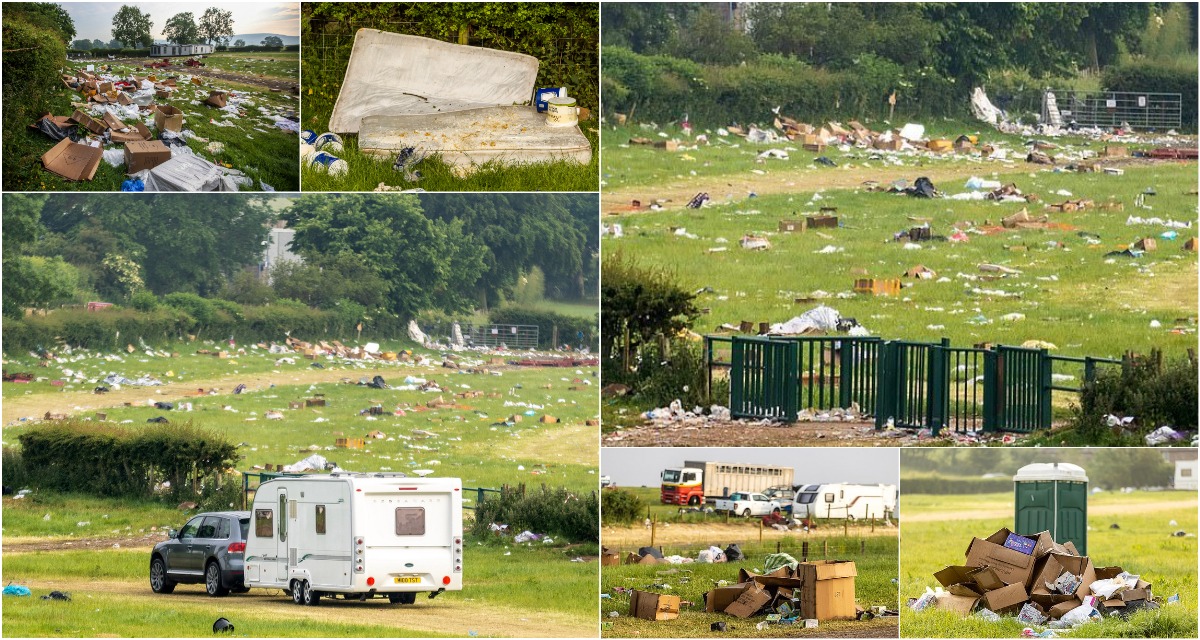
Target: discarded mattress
x,y
820,318
514,135
394,74
191,173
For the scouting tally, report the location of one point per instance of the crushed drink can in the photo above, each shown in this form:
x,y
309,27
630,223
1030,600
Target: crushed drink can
x,y
328,163
308,136
329,142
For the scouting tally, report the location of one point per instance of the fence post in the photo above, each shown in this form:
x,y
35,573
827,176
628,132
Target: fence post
x,y
862,547
826,548
760,530
1047,380
804,551
653,529
708,359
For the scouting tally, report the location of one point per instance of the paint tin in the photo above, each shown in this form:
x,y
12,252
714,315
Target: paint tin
x,y
561,112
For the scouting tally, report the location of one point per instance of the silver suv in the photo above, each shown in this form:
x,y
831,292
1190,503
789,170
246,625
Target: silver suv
x,y
209,549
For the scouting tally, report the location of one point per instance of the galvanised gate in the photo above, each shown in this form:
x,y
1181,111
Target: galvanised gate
x,y
904,383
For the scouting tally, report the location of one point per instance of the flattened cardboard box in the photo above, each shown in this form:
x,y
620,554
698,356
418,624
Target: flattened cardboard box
x,y
828,591
1140,592
962,605
720,598
1005,600
138,132
72,160
750,602
653,606
88,122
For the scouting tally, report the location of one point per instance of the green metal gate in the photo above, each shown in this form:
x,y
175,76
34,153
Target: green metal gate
x,y
1016,390
763,379
913,385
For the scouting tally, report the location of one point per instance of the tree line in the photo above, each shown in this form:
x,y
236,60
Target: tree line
x,y
400,254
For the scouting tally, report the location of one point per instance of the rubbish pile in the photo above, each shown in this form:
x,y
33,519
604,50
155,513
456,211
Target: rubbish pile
x,y
1041,582
126,120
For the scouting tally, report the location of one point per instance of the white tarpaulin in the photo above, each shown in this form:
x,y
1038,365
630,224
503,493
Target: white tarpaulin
x,y
191,173
415,334
315,462
820,318
394,74
912,132
983,109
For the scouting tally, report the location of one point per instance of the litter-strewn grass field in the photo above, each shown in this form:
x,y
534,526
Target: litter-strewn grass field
x,y
876,566
111,596
506,583
1064,282
247,140
938,528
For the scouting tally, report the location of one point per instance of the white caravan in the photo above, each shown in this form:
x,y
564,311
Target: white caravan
x,y
854,501
356,535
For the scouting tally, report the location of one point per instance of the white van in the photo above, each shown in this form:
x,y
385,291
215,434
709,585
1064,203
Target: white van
x,y
356,535
853,501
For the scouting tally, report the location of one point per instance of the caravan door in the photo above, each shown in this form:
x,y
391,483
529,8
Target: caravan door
x,y
281,537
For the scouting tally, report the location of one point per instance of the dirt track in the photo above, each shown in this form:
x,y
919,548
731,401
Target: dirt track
x,y
1102,510
442,615
738,530
737,434
282,84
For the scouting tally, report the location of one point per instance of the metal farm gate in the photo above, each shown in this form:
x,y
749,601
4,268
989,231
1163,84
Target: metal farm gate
x,y
1112,108
512,336
913,385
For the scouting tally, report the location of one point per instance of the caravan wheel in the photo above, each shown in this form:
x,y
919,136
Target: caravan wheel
x,y
297,596
311,597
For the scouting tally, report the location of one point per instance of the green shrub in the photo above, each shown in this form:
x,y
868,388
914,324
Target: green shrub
x,y
1158,77
569,327
557,512
12,466
144,300
31,60
680,374
201,309
101,459
618,506
1154,396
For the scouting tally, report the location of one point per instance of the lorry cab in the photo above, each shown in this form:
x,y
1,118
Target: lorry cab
x,y
682,486
356,536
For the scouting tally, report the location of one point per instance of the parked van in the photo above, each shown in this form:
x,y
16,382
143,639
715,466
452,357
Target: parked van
x,y
854,501
357,536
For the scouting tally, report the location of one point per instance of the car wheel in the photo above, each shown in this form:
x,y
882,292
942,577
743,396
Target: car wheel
x,y
746,513
159,582
311,597
212,581
402,598
297,589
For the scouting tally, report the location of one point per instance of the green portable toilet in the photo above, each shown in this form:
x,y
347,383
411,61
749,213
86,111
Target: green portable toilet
x,y
1052,496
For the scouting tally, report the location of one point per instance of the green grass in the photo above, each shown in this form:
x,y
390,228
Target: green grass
x,y
106,517
252,144
873,586
586,309
1142,545
284,65
366,172
517,581
1060,290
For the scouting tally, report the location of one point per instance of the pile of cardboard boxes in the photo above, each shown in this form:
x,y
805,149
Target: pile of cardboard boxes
x,y
818,590
1006,573
816,137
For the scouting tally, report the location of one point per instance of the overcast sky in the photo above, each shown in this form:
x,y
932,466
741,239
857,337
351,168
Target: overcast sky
x,y
637,467
93,20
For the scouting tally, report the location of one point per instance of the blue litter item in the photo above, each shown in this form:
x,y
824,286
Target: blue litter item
x,y
531,412
133,184
16,590
1169,235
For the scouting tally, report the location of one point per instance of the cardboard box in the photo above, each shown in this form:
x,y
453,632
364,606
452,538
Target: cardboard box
x,y
939,146
138,132
168,118
1011,566
962,605
828,589
896,143
609,558
1140,592
1006,600
1055,612
752,599
217,99
72,160
653,606
145,154
720,598
88,122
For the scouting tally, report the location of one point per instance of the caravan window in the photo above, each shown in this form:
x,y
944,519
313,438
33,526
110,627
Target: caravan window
x,y
320,519
264,525
806,498
829,497
410,521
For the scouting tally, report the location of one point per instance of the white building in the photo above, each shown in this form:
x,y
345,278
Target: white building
x,y
167,50
279,249
1185,475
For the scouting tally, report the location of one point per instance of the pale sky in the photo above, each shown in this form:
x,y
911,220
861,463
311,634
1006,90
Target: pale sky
x,y
93,20
640,467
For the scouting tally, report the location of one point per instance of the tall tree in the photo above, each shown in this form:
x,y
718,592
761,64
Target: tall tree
x,y
20,230
239,43
132,27
216,26
181,29
83,44
425,263
272,41
46,15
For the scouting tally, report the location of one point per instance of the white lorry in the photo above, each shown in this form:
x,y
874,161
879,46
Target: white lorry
x,y
357,536
747,504
836,501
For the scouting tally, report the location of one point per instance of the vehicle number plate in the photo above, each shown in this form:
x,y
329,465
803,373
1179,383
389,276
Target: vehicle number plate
x,y
407,580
